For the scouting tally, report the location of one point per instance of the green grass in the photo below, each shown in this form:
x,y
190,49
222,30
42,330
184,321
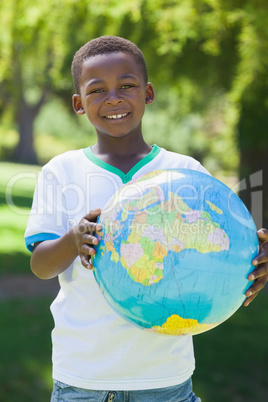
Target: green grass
x,y
25,363
17,183
25,325
231,359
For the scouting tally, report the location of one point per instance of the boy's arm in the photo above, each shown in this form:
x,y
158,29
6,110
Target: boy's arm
x,y
260,274
51,257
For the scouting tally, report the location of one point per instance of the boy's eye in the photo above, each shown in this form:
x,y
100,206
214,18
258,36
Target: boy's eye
x,y
127,86
96,91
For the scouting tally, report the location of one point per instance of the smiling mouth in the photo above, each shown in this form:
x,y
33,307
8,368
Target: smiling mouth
x,y
116,116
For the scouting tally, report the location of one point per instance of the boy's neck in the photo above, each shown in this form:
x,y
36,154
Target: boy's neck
x,y
122,153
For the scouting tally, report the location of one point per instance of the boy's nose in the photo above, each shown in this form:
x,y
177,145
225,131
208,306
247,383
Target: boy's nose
x,y
113,99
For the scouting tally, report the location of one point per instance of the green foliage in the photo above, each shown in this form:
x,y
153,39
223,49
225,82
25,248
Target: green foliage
x,y
207,59
65,131
40,39
205,135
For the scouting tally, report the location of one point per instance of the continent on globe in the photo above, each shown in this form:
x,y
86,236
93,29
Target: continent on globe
x,y
168,224
176,325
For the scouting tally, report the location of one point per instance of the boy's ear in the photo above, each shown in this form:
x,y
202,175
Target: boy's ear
x,y
149,93
77,104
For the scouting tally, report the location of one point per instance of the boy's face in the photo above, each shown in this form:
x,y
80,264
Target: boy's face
x,y
113,94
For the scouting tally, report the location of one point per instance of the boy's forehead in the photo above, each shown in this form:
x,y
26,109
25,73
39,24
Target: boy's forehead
x,y
117,63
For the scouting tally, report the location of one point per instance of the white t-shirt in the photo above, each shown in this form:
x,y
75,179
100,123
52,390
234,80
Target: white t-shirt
x,y
93,347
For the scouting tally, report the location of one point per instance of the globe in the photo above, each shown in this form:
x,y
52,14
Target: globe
x,y
175,251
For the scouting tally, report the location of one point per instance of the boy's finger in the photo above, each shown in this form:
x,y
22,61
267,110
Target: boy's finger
x,y
262,234
85,262
261,259
259,272
88,251
263,255
249,299
92,215
257,286
88,227
89,239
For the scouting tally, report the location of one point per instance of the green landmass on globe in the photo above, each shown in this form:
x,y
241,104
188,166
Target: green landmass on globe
x,y
154,234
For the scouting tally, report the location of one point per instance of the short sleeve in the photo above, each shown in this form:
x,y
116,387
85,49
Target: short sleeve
x,y
47,219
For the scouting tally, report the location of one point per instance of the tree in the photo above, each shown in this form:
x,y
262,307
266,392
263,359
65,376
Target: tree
x,y
203,49
37,42
30,54
224,45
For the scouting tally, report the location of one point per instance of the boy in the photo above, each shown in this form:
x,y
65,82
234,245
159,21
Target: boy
x,y
97,356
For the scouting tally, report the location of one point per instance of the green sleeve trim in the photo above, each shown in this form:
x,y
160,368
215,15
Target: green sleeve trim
x,y
125,177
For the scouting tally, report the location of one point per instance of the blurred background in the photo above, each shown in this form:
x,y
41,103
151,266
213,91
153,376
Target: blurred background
x,y
208,61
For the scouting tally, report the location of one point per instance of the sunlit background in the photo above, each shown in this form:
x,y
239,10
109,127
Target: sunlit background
x,y
208,61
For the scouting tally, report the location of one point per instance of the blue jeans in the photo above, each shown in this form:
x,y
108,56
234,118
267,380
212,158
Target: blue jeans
x,y
178,393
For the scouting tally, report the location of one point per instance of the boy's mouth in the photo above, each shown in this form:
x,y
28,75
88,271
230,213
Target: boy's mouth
x,y
116,116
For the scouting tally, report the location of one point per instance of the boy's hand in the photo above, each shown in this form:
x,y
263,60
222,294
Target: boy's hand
x,y
260,274
84,237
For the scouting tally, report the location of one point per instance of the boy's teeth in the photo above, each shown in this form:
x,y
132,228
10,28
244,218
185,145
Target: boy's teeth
x,y
116,116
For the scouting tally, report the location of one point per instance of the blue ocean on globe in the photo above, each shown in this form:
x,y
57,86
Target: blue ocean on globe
x,y
175,251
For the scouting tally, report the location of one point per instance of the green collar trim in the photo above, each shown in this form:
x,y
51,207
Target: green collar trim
x,y
125,177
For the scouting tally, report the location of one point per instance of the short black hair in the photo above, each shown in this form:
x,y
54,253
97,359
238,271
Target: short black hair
x,y
106,45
